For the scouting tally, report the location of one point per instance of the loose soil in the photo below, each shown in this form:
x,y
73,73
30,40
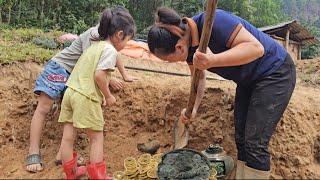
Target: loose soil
x,y
145,110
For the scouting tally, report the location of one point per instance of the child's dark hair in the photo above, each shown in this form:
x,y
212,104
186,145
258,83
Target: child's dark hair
x,y
160,39
117,19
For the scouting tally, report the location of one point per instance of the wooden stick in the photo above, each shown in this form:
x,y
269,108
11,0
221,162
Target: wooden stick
x,y
181,133
204,41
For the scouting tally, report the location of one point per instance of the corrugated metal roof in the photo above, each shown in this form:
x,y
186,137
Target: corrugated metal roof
x,y
297,32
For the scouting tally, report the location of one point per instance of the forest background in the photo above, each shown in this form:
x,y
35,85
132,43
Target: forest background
x,y
75,16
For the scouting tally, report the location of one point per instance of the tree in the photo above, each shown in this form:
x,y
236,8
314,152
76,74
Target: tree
x,y
266,13
307,12
143,12
314,50
1,5
78,15
6,10
187,7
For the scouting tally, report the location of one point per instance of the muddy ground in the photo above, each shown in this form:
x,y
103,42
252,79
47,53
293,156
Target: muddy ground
x,y
146,109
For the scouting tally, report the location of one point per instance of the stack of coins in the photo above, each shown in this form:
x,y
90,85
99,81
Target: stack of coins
x,y
153,166
145,168
143,162
156,158
213,175
131,166
118,175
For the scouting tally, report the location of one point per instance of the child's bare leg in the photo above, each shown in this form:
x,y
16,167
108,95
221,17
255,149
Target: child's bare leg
x,y
96,146
58,156
67,142
43,108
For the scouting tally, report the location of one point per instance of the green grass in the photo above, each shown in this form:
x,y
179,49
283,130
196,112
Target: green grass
x,y
18,45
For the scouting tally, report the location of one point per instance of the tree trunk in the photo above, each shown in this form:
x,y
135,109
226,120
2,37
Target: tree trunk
x,y
19,12
42,15
0,15
9,14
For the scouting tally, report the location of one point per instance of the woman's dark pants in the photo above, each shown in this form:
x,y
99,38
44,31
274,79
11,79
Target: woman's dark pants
x,y
258,109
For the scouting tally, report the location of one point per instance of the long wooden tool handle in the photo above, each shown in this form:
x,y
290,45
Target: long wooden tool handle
x,y
204,41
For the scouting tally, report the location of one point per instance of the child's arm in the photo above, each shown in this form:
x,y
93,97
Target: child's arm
x,y
100,78
123,71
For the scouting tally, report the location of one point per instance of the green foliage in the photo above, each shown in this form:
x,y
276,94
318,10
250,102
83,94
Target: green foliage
x,y
187,7
313,51
4,26
27,34
45,43
144,17
310,52
67,44
307,12
23,52
266,13
69,15
18,45
75,16
241,8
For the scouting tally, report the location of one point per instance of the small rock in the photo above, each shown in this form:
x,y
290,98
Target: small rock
x,y
218,139
13,170
150,147
161,122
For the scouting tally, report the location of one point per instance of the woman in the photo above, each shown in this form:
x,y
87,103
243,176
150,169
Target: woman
x,y
238,51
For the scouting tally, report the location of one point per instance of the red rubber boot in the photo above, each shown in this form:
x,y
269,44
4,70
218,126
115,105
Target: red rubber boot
x,y
71,170
98,171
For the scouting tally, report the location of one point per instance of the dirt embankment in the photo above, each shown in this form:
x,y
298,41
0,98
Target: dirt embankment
x,y
147,109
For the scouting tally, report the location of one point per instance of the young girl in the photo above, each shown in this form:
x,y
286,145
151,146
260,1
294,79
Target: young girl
x,y
263,70
87,90
51,84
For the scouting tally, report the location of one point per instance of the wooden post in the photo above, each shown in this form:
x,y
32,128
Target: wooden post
x,y
299,52
287,39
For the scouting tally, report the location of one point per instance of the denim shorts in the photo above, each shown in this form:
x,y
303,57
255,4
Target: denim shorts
x,y
52,80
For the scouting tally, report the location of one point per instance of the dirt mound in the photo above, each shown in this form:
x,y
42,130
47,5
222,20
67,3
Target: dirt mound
x,y
309,71
146,110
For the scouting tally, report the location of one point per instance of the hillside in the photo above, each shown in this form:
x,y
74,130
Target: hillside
x,y
303,10
146,109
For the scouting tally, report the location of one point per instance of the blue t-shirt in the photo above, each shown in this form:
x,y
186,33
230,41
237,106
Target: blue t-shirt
x,y
223,29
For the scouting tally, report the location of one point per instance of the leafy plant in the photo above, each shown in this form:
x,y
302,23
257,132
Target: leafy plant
x,y
66,44
46,43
